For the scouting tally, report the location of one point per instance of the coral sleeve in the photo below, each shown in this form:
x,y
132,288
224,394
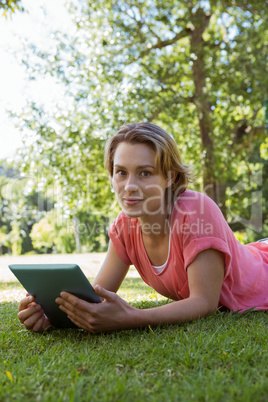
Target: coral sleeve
x,y
198,245
116,234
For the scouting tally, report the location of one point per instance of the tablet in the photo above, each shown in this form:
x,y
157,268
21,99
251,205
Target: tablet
x,y
46,281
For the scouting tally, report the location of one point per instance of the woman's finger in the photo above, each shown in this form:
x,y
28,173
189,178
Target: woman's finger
x,y
28,312
33,319
104,293
38,326
25,302
74,312
74,304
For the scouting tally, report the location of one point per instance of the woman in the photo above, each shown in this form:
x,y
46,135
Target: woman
x,y
177,239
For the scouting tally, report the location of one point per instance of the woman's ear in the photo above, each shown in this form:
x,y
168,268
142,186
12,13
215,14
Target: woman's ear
x,y
171,178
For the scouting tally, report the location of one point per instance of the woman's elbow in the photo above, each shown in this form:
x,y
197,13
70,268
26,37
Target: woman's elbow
x,y
205,307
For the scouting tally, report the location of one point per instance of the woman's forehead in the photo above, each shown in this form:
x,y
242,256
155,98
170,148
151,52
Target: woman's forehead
x,y
127,152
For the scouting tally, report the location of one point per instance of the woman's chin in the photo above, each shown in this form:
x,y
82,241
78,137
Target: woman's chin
x,y
131,214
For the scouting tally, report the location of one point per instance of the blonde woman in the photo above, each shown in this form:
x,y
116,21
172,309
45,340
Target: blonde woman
x,y
177,239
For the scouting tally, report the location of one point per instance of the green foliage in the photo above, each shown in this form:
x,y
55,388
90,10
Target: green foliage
x,y
92,229
42,235
48,235
4,238
264,149
20,208
55,233
265,108
221,358
10,7
15,239
29,220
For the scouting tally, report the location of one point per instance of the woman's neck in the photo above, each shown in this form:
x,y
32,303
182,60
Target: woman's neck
x,y
156,226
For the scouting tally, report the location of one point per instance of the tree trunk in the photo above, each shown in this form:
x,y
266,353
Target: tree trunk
x,y
107,238
203,105
76,234
221,197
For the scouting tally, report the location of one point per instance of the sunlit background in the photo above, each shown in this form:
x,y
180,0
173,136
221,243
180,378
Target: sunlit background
x,y
41,18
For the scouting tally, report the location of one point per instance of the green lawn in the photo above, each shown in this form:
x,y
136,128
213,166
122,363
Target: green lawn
x,y
221,358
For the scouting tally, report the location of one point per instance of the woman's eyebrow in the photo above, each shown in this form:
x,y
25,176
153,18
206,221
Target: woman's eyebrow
x,y
138,167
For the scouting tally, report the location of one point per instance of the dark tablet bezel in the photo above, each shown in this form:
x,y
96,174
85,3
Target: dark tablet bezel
x,y
46,281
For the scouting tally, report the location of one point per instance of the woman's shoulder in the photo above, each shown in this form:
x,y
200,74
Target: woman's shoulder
x,y
191,201
197,213
193,207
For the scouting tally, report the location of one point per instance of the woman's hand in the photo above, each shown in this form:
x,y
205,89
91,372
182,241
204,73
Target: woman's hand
x,y
31,315
113,313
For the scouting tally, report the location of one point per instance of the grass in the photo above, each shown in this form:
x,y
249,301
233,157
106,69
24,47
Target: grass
x,y
221,358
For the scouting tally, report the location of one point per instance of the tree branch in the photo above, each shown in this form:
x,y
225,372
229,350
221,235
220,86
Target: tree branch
x,y
160,44
244,127
154,115
253,132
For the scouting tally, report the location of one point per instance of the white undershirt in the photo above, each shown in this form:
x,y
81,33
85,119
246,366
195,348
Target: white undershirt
x,y
160,268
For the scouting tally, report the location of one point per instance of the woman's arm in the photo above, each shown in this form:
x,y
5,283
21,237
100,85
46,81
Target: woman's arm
x,y
205,276
112,272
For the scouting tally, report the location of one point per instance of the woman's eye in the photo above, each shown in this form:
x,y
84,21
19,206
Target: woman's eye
x,y
121,172
145,173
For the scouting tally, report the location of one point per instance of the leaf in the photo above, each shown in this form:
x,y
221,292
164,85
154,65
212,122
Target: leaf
x,y
8,373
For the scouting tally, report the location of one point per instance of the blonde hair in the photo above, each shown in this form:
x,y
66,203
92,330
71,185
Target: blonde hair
x,y
168,159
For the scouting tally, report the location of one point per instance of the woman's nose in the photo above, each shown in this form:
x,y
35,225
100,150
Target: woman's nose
x,y
131,184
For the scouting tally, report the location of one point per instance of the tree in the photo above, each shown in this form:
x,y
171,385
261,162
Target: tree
x,y
10,6
42,235
197,68
264,150
20,207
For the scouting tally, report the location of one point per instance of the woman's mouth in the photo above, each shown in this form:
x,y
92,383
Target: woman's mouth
x,y
131,201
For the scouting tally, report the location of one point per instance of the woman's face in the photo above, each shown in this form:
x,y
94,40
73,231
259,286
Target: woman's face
x,y
140,188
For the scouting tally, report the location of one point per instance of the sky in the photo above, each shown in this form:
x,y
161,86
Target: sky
x,y
35,25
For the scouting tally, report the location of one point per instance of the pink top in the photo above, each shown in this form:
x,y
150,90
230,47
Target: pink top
x,y
197,224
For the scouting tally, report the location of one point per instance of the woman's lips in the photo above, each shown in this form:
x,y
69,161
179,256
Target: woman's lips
x,y
130,201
